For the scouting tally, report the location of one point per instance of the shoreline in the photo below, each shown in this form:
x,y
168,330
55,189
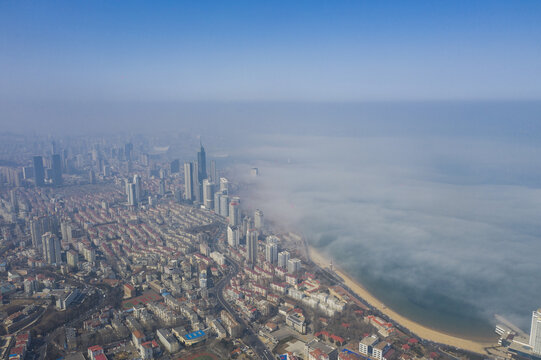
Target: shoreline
x,y
421,331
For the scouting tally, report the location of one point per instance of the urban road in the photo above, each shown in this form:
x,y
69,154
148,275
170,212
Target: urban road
x,y
255,342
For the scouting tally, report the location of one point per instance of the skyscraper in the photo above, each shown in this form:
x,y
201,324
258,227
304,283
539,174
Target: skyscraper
x,y
224,185
258,219
251,246
234,214
271,252
57,169
535,332
201,164
162,187
92,176
138,188
224,205
40,226
212,174
293,266
174,166
132,196
233,236
196,184
208,194
188,181
51,249
13,200
39,172
283,258
216,204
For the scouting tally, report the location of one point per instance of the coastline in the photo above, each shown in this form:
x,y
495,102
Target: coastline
x,y
416,328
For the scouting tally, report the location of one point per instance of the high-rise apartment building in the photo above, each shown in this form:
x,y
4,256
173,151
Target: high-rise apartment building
x,y
40,226
234,214
132,195
201,164
138,188
224,205
251,246
271,252
258,219
208,194
293,266
188,181
283,258
196,184
213,175
174,166
39,171
51,249
56,165
535,332
224,185
233,236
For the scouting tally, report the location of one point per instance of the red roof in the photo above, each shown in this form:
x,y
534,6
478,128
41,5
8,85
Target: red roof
x,y
129,286
95,348
337,338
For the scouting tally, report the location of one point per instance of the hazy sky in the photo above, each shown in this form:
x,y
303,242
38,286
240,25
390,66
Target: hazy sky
x,y
249,50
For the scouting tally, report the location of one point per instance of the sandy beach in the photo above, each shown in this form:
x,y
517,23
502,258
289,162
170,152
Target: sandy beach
x,y
418,329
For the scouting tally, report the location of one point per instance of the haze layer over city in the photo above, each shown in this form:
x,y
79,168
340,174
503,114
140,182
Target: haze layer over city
x,y
394,145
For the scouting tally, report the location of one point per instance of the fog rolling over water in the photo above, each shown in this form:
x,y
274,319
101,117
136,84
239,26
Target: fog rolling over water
x,y
445,230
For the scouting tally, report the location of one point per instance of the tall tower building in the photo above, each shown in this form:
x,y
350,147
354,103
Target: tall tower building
x,y
57,169
251,246
271,252
233,236
196,185
92,176
188,181
283,258
40,226
217,196
212,174
36,231
208,194
138,188
234,214
224,205
258,219
224,185
174,166
162,187
132,195
535,332
39,172
293,266
246,225
51,249
201,164
13,200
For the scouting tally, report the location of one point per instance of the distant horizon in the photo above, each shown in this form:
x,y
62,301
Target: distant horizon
x,y
308,51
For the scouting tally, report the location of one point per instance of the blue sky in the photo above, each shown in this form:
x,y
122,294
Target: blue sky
x,y
251,50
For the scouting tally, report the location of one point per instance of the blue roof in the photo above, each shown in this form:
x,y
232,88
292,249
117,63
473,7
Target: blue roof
x,y
194,335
